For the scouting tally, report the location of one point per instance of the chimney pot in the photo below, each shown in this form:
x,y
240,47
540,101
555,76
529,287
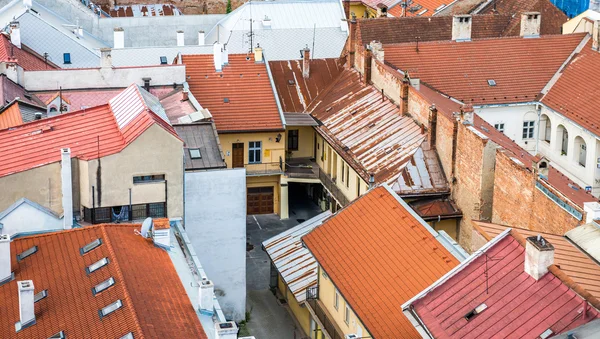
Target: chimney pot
x,y
530,24
180,39
539,254
258,54
15,33
5,258
119,38
26,303
201,38
306,63
461,28
67,188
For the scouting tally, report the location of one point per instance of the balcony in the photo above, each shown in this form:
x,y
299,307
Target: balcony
x,y
320,314
330,185
302,168
264,168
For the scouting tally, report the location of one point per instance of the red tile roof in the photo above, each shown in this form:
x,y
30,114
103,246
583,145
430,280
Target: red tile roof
x,y
416,8
155,303
252,104
574,95
11,116
28,60
521,67
517,305
552,17
113,126
379,255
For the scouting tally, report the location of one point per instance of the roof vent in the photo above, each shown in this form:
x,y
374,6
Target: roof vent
x,y
491,82
475,311
291,82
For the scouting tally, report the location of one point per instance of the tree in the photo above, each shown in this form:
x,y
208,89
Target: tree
x,y
228,10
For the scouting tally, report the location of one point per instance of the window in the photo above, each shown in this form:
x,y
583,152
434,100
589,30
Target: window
x,y
103,286
66,58
195,153
97,265
343,171
582,150
110,308
546,128
499,126
163,60
26,253
148,178
127,336
293,140
87,248
347,315
336,300
528,127
254,152
59,335
563,136
40,295
157,210
492,82
347,175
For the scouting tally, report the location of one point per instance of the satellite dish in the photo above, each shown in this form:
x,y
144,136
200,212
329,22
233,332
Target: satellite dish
x,y
146,227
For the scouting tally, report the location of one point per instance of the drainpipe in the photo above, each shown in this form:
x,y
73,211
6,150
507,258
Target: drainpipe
x,y
538,108
183,218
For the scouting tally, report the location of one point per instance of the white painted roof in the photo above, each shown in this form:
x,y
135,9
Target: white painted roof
x,y
295,263
587,237
150,56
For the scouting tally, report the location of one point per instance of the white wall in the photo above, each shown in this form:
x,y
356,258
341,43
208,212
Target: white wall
x,y
215,221
27,218
512,117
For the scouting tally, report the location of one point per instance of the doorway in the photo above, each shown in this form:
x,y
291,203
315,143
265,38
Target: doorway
x,y
237,159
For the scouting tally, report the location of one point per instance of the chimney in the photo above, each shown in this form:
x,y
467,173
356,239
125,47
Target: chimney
x,y
404,89
200,38
147,83
542,169
5,259
371,180
207,290
461,28
366,78
530,24
218,56
15,33
105,58
595,35
258,54
28,3
266,22
592,211
225,55
161,233
185,94
226,330
467,113
306,63
119,38
431,136
352,41
377,50
67,188
180,39
539,254
80,31
381,10
26,304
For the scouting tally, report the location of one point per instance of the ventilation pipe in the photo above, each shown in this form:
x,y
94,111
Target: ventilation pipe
x,y
67,188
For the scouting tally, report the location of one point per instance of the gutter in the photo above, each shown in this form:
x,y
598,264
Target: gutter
x,y
275,92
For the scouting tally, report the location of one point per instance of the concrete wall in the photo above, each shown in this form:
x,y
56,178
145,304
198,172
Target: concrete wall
x,y
103,77
215,221
41,185
27,218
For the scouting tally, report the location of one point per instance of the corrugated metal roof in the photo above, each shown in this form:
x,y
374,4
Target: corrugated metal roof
x,y
422,174
299,119
587,237
143,10
295,263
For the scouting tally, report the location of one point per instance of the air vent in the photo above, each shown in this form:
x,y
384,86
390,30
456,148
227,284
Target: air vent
x,y
87,248
97,265
26,253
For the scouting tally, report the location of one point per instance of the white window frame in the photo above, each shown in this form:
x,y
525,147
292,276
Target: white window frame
x,y
499,126
347,315
528,129
255,150
336,300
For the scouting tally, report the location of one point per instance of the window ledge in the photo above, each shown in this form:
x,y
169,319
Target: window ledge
x,y
149,182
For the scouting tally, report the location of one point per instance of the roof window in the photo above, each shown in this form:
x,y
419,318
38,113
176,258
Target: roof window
x,y
127,336
87,248
226,100
26,253
492,82
59,335
163,60
546,334
103,285
110,308
66,58
475,312
195,153
97,265
40,295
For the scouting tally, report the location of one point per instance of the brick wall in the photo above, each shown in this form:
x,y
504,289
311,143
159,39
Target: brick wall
x,y
187,6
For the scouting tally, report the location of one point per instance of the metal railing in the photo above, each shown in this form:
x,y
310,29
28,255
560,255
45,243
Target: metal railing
x,y
265,168
329,328
330,185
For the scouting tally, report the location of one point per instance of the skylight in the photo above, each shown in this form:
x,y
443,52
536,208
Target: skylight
x,y
85,249
26,253
110,308
475,312
127,336
97,265
40,295
59,335
163,60
492,82
195,153
103,285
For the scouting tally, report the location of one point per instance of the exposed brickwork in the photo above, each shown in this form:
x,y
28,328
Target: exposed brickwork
x,y
187,7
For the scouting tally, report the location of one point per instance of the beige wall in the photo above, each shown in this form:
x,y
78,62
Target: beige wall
x,y
306,139
41,185
271,150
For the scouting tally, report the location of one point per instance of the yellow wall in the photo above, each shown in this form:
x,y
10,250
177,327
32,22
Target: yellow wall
x,y
267,181
271,150
41,185
306,137
301,314
449,226
358,9
327,297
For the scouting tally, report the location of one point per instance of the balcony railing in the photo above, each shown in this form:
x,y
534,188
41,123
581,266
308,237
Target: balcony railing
x,y
302,168
328,327
265,168
332,188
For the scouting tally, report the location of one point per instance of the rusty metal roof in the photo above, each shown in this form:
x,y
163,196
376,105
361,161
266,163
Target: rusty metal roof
x,y
436,209
143,10
423,174
366,128
295,263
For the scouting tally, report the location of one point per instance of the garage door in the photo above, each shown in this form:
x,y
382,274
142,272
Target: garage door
x,y
260,200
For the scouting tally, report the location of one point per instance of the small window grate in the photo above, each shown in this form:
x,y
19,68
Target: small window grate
x,y
89,247
103,286
110,308
40,295
195,153
27,253
97,265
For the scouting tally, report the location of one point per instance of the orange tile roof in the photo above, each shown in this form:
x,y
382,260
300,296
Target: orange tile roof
x,y
29,61
113,126
11,116
418,6
252,105
379,256
155,303
521,67
576,264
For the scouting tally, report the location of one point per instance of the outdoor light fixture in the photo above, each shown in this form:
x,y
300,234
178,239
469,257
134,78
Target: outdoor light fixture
x,y
278,138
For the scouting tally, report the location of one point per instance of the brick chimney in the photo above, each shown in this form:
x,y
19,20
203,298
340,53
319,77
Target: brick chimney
x,y
377,50
15,33
539,254
404,89
306,63
67,188
381,10
105,57
5,258
119,38
26,304
461,28
530,24
351,42
467,114
431,136
180,38
366,77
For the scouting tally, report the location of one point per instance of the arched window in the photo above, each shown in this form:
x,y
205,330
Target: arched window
x,y
580,150
545,128
563,136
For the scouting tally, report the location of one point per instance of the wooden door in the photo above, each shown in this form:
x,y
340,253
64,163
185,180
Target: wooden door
x,y
237,158
260,200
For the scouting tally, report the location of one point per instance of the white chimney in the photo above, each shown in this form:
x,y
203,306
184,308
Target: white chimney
x,y
266,22
539,254
28,3
119,38
306,63
180,38
80,32
162,238
530,24
5,258
377,50
67,188
226,330
218,56
200,38
258,54
461,28
105,58
225,55
26,303
592,211
15,33
207,290
595,35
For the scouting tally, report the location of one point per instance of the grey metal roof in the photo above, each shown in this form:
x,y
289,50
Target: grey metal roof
x,y
297,266
35,205
149,56
587,237
154,104
299,119
202,136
